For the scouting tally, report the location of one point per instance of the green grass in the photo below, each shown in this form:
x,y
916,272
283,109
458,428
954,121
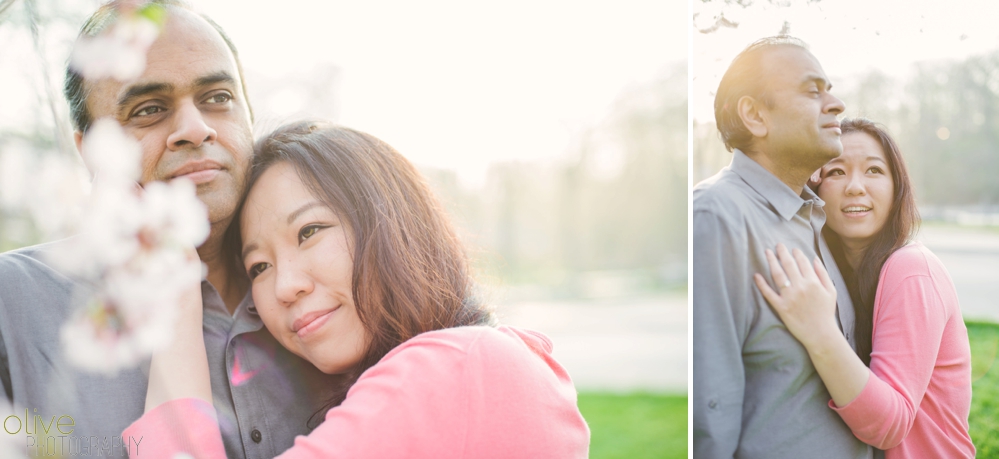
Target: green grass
x,y
636,426
655,425
984,417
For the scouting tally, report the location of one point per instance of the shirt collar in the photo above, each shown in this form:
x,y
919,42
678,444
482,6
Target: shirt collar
x,y
780,196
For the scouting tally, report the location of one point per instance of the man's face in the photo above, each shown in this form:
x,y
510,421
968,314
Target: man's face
x,y
188,112
801,125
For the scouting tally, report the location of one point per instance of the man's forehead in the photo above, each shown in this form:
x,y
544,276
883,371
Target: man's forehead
x,y
792,64
187,54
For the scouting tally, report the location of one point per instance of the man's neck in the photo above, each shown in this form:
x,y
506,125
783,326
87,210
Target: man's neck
x,y
790,174
218,270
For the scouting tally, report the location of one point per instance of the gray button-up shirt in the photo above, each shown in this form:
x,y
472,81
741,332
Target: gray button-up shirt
x,y
756,393
257,385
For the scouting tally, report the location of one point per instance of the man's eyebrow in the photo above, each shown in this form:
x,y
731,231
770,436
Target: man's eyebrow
x,y
220,77
141,90
819,80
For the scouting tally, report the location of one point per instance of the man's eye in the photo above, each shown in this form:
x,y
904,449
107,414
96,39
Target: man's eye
x,y
256,269
219,98
308,231
150,110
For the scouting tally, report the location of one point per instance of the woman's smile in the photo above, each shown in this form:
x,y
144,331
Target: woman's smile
x,y
298,255
305,326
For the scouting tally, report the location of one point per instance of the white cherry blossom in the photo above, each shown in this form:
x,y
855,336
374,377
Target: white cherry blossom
x,y
119,53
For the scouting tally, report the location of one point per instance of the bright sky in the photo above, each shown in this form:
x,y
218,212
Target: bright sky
x,y
457,84
451,84
847,36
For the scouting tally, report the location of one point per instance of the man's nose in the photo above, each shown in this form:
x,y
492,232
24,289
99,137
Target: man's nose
x,y
834,105
292,284
190,129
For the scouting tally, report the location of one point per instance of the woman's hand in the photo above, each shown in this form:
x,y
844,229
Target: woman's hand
x,y
181,369
807,299
807,305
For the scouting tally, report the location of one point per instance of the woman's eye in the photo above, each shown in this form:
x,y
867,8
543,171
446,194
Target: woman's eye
x,y
256,269
876,170
308,232
834,172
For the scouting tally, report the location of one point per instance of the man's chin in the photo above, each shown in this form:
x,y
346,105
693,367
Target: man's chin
x,y
221,206
831,152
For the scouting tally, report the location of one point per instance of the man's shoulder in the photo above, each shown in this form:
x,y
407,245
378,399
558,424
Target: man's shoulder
x,y
725,195
31,265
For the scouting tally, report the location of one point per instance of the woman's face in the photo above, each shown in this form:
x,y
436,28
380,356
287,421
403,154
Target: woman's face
x,y
858,190
297,254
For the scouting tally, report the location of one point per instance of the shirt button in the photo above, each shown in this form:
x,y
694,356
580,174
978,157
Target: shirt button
x,y
712,404
255,436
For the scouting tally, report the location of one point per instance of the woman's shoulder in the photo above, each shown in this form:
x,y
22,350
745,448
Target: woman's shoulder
x,y
916,264
912,259
477,339
472,356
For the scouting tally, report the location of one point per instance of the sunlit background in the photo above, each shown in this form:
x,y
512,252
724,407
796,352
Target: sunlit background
x,y
927,70
554,131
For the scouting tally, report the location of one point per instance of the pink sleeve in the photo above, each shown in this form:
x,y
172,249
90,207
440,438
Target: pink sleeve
x,y
411,404
186,425
909,321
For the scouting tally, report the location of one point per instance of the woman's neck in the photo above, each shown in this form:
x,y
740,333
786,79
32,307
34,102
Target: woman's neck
x,y
854,251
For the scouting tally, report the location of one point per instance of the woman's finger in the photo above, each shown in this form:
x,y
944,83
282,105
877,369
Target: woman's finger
x,y
804,266
772,297
776,271
790,266
820,270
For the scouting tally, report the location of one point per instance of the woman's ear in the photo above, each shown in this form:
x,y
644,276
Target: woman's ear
x,y
752,116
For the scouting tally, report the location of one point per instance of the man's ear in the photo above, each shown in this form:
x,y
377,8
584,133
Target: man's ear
x,y
78,139
749,110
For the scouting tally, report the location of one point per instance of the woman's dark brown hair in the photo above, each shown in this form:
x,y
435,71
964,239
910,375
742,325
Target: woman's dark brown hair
x,y
898,230
410,274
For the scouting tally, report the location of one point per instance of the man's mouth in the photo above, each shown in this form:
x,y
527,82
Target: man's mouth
x,y
199,172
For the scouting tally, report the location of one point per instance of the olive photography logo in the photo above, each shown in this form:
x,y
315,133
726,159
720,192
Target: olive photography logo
x,y
53,436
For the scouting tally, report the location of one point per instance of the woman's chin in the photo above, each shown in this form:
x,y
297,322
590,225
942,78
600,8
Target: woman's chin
x,y
855,235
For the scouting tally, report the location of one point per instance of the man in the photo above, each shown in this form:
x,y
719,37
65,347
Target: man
x,y
189,112
756,393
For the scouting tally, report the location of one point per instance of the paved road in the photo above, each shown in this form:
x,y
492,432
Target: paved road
x,y
641,343
971,255
616,345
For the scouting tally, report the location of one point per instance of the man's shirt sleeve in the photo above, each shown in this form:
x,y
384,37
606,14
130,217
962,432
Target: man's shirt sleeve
x,y
721,307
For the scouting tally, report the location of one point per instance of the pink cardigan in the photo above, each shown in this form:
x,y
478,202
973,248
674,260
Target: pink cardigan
x,y
916,402
468,392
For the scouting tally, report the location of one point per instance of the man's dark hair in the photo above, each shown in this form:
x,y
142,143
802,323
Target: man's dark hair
x,y
745,77
76,90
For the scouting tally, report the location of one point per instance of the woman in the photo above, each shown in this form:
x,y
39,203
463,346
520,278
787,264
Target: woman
x,y
914,399
354,266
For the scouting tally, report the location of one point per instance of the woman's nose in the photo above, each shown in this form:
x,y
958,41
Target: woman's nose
x,y
292,284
